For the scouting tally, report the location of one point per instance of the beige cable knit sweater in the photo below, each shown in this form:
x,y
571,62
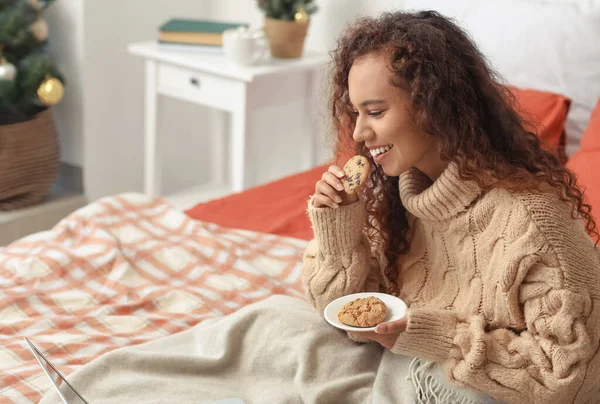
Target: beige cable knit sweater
x,y
503,288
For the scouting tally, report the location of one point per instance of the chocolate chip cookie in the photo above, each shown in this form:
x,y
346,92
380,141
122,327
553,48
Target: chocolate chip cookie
x,y
357,171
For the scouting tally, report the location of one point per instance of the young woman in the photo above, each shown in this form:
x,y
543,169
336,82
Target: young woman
x,y
480,231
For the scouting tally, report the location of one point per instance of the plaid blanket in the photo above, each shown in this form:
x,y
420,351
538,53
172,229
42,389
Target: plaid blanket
x,y
122,271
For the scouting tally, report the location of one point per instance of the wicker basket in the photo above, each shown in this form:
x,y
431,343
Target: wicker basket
x,y
29,161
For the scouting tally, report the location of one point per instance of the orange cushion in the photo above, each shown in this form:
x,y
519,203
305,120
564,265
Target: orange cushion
x,y
591,136
548,113
585,163
276,208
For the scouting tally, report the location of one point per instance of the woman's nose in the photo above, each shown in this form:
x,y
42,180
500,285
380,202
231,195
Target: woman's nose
x,y
362,132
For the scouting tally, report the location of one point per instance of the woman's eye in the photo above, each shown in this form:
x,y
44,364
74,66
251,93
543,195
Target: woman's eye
x,y
370,113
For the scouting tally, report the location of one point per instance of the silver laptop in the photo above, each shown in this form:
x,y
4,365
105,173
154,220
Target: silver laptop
x,y
70,395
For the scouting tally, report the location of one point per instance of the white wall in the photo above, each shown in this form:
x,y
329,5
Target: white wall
x,y
114,100
326,24
100,120
65,18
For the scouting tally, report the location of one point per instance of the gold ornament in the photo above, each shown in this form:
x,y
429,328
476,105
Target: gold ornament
x,y
301,15
51,91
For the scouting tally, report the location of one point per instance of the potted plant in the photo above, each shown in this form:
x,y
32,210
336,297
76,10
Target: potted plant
x,y
29,84
286,24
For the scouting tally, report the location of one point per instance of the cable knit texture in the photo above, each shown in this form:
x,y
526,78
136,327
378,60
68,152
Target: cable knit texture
x,y
503,288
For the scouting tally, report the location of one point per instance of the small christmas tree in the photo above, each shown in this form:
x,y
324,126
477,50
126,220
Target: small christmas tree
x,y
29,80
287,10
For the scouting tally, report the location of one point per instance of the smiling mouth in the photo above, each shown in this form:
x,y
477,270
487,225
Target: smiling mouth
x,y
381,150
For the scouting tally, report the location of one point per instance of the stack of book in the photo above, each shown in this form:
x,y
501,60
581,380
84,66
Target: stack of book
x,y
185,34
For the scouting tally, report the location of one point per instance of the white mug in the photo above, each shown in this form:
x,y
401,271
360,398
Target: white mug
x,y
244,46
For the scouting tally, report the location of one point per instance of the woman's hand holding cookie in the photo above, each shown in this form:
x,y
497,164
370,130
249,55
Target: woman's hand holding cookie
x,y
339,187
329,190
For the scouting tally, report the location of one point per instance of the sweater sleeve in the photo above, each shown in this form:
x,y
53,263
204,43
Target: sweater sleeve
x,y
551,359
338,261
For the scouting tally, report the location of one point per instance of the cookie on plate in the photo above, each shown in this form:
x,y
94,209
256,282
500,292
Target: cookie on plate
x,y
363,312
357,171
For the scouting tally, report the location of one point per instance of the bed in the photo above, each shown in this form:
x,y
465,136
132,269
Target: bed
x,y
128,269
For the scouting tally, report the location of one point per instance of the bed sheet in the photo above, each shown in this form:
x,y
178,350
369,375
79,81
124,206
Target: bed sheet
x,y
122,271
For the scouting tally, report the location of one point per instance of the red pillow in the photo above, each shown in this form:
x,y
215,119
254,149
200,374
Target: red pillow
x,y
586,163
591,136
546,111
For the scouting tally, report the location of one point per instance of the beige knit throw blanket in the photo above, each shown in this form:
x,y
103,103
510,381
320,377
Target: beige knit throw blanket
x,y
275,351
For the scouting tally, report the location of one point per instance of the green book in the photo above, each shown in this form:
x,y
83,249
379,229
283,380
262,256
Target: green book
x,y
200,32
205,26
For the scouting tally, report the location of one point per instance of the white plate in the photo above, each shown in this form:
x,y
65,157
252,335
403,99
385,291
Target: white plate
x,y
396,309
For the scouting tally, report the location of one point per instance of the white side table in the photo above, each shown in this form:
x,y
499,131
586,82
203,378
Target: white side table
x,y
211,80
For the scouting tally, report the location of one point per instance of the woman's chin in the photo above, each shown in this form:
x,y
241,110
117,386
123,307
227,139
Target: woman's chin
x,y
392,170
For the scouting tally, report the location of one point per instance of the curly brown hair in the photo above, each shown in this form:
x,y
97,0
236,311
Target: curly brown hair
x,y
456,97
